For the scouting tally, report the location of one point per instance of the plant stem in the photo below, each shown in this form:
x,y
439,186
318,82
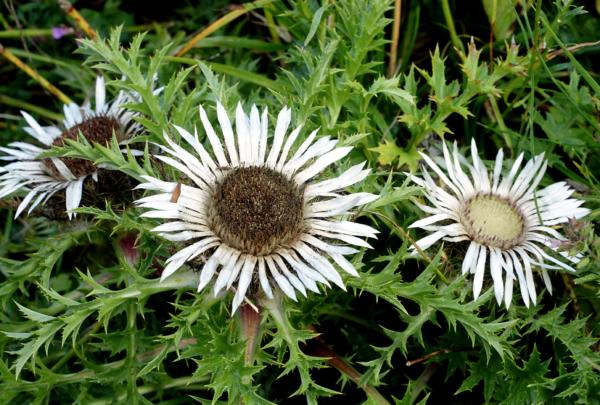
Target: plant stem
x,y
272,26
146,389
500,122
421,382
131,349
413,242
250,330
427,357
87,335
451,28
335,360
147,356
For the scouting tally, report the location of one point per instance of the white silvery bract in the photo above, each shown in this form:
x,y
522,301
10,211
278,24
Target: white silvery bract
x,y
254,209
508,222
43,177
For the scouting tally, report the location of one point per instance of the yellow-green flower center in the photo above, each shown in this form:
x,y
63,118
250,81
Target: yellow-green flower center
x,y
493,221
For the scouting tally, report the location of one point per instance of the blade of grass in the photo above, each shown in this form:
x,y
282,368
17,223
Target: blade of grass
x,y
272,26
246,76
233,71
239,42
451,28
584,45
410,34
580,69
34,75
47,32
26,33
42,58
220,23
29,107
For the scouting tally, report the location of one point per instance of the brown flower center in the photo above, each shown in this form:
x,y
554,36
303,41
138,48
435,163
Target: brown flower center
x,y
95,129
256,210
493,221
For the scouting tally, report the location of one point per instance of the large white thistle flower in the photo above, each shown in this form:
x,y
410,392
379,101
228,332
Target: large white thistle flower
x,y
508,223
43,177
257,211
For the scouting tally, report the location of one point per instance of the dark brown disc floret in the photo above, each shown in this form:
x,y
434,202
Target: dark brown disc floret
x,y
256,210
95,129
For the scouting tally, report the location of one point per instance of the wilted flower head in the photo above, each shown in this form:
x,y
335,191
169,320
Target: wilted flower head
x,y
43,177
257,212
502,216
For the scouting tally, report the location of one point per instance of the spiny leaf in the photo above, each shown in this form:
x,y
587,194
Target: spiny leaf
x,y
34,315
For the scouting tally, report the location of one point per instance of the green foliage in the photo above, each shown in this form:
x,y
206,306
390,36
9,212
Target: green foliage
x,y
389,286
84,317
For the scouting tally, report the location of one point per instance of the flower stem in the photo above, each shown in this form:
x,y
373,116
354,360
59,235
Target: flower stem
x,y
250,328
131,352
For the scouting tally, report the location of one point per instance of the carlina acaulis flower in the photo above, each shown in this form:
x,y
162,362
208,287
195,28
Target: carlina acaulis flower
x,y
508,223
255,207
44,177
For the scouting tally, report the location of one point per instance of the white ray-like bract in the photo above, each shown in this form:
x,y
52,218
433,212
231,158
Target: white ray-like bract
x,y
509,224
254,209
42,178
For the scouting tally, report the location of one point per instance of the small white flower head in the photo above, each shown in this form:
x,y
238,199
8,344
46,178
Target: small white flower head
x,y
44,177
508,224
255,209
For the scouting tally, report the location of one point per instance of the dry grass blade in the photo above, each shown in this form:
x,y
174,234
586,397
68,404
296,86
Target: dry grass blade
x,y
81,22
221,22
395,38
34,75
